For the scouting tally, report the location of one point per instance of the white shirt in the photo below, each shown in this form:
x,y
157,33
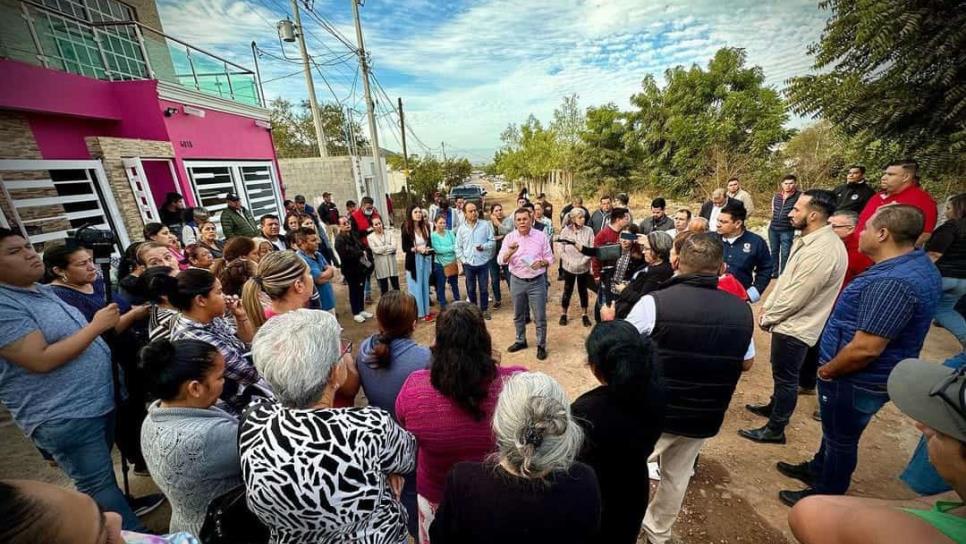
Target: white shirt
x,y
278,243
644,316
713,220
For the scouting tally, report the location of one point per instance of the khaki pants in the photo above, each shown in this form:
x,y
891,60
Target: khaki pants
x,y
675,454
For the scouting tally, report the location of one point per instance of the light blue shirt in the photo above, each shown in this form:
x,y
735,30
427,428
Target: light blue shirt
x,y
469,237
81,388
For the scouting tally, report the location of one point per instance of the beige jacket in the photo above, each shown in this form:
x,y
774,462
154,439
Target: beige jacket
x,y
745,198
806,290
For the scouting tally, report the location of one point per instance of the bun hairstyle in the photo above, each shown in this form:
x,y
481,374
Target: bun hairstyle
x,y
535,433
167,365
275,274
396,314
619,355
156,284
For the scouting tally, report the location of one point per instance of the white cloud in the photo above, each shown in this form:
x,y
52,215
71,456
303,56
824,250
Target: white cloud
x,y
466,70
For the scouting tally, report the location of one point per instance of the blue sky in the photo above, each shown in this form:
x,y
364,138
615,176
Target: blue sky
x,y
467,69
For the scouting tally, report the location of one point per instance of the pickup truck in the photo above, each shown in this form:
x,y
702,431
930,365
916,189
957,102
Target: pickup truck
x,y
469,193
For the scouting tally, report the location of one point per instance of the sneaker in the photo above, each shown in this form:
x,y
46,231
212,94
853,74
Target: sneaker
x,y
497,304
486,315
366,314
429,317
359,318
146,504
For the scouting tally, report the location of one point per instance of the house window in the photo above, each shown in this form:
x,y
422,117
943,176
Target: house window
x,y
253,182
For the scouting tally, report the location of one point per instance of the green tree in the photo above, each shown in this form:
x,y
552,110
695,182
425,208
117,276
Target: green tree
x,y
568,122
528,152
455,171
425,175
603,159
705,125
293,130
893,74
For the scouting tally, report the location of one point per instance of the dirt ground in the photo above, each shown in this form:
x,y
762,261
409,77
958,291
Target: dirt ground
x,y
733,495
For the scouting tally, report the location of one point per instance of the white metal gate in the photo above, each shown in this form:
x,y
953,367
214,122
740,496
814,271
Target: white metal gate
x,y
254,182
142,190
47,198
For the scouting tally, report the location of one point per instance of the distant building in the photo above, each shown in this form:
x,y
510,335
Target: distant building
x,y
102,114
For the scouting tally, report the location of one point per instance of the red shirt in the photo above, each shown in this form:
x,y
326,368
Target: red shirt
x,y
730,284
607,236
362,222
913,195
858,262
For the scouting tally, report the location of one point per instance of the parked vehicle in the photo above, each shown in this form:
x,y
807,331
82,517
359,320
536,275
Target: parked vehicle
x,y
469,193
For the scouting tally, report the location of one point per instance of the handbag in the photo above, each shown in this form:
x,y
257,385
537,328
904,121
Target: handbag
x,y
451,269
228,520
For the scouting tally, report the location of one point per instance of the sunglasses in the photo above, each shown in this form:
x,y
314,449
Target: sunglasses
x,y
958,399
346,347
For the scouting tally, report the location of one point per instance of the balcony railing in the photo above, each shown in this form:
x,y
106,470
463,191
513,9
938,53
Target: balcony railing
x,y
119,51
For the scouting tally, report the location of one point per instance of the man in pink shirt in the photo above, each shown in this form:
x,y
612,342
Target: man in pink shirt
x,y
527,253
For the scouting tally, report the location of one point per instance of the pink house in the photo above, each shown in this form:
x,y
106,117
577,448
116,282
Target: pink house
x,y
102,115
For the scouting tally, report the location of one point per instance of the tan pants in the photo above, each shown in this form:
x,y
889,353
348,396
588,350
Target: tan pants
x,y
675,454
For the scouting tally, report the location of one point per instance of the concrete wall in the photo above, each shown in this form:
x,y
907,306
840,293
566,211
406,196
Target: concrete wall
x,y
313,176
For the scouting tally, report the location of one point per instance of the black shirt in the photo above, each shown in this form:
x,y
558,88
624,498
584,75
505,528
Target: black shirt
x,y
618,440
950,240
483,504
852,196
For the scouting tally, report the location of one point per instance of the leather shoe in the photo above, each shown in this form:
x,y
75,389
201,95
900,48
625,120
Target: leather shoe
x,y
763,410
790,498
586,321
764,435
799,472
541,352
517,346
563,320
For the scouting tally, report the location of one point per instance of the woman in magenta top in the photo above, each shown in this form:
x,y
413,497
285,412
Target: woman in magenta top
x,y
449,407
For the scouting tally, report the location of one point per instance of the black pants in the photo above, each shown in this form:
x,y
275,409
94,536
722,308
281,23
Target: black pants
x,y
384,284
787,356
569,280
357,293
809,374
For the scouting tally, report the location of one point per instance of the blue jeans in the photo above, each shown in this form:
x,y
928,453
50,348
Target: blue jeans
x,y
847,407
946,314
787,355
780,243
82,449
440,280
477,276
495,270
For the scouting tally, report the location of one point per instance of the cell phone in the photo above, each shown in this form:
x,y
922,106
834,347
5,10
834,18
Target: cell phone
x,y
562,241
629,236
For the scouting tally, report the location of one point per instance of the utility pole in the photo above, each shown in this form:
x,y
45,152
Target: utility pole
x,y
378,183
443,145
316,115
402,128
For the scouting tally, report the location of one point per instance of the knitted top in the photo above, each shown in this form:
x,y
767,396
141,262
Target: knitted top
x,y
192,454
445,432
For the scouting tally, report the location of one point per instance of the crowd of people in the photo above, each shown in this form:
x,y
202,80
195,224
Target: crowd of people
x,y
217,365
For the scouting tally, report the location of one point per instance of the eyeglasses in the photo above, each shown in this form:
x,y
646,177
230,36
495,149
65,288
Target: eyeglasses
x,y
843,226
346,346
958,403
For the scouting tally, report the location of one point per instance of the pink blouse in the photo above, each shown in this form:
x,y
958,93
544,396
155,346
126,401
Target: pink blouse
x,y
446,433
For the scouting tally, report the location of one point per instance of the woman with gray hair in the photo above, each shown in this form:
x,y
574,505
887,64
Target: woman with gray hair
x,y
575,264
531,490
657,254
314,473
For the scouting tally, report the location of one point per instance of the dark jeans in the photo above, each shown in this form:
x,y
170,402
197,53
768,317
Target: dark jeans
x,y
847,407
82,449
357,293
780,243
440,280
495,270
581,280
787,355
809,372
477,277
384,284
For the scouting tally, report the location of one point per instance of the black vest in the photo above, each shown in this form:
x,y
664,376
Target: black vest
x,y
700,336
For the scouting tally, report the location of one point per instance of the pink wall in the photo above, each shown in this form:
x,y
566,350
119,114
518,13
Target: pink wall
x,y
217,136
60,137
38,89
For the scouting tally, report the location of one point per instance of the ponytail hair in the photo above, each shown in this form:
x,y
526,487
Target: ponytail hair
x,y
619,355
276,273
157,284
166,365
190,283
396,314
235,274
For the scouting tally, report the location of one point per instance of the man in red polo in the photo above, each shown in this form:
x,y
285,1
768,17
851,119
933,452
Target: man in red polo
x,y
900,185
360,220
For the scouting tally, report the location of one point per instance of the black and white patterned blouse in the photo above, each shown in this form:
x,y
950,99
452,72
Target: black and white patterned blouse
x,y
320,476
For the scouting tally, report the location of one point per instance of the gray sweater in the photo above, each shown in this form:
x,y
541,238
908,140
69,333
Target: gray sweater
x,y
192,454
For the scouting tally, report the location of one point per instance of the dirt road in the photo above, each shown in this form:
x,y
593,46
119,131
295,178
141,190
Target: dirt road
x,y
733,496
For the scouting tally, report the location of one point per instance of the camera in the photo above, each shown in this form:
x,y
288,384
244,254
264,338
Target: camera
x,y
99,241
